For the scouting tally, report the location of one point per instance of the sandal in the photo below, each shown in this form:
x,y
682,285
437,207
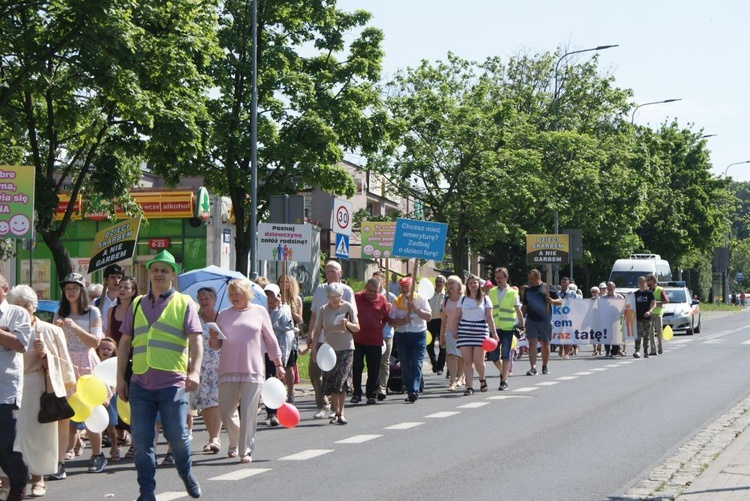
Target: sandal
x,y
212,447
114,454
246,459
69,454
468,392
232,453
483,385
131,453
125,440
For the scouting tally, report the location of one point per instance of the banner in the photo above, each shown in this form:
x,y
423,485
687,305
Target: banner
x,y
16,201
114,244
588,321
377,238
285,242
547,249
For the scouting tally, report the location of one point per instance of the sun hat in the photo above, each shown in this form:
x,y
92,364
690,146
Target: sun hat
x,y
73,278
164,257
273,288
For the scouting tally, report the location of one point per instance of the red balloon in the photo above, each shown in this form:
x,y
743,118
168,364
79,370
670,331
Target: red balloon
x,y
489,344
288,415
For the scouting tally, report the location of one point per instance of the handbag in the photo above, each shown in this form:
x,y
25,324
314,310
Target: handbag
x,y
53,408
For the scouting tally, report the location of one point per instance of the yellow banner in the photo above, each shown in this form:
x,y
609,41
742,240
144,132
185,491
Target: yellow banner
x,y
114,244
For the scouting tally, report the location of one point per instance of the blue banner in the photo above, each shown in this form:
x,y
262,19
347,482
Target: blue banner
x,y
419,239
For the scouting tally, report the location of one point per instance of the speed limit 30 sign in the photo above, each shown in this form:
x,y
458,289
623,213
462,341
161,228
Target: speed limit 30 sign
x,y
341,217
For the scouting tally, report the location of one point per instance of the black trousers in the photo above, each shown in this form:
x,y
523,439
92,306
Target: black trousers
x,y
371,356
11,462
437,362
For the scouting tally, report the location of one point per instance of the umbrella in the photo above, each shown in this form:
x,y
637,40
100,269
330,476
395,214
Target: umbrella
x,y
216,278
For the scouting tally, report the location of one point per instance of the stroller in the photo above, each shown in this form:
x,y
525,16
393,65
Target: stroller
x,y
395,376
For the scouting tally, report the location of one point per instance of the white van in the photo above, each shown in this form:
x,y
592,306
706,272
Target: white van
x,y
625,272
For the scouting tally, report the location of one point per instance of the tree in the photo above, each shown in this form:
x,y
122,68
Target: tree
x,y
316,98
90,90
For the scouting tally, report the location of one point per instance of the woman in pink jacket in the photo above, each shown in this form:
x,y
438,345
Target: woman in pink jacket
x,y
247,329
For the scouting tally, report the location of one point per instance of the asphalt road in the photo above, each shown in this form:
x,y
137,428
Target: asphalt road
x,y
587,431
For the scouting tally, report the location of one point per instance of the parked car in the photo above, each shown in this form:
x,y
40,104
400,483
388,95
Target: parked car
x,y
682,313
46,309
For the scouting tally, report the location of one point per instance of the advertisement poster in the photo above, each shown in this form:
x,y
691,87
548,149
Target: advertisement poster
x,y
37,276
16,201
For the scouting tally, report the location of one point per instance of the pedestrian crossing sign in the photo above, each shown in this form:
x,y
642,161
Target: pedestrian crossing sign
x,y
342,246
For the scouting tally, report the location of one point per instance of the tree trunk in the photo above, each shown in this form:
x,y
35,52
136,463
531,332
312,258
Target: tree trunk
x,y
59,253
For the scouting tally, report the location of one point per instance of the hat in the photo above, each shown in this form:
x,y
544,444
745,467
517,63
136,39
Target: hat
x,y
113,269
164,257
73,278
488,284
273,288
603,285
406,281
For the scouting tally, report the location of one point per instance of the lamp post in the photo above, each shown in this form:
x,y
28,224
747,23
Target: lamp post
x,y
254,144
735,163
559,60
632,119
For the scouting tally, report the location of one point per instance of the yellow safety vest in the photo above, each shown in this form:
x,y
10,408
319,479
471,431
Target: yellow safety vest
x,y
504,313
657,296
163,345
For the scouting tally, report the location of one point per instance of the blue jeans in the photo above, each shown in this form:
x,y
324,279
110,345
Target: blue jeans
x,y
411,348
172,407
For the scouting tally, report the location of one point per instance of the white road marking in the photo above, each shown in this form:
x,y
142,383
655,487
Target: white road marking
x,y
526,389
473,405
681,341
240,474
567,378
358,439
403,426
626,362
746,342
548,383
169,496
723,333
714,341
506,397
308,454
612,366
584,373
600,369
443,414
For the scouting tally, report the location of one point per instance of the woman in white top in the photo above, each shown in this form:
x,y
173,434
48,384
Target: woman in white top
x,y
447,329
474,324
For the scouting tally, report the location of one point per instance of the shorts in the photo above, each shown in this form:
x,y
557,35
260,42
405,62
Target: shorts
x,y
112,411
539,329
292,359
502,352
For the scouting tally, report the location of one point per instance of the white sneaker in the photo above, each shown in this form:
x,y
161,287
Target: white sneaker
x,y
322,413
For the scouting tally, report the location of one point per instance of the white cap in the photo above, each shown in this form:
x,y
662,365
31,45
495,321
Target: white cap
x,y
273,288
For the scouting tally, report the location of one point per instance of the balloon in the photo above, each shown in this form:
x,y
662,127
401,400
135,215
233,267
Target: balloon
x,y
326,357
107,371
489,344
92,390
425,288
123,410
666,333
273,393
98,420
288,415
83,410
429,337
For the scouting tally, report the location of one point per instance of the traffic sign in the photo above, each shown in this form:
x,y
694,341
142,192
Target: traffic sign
x,y
341,217
342,246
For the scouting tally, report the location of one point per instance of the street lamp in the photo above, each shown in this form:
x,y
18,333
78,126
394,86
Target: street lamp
x,y
254,143
559,60
735,163
632,119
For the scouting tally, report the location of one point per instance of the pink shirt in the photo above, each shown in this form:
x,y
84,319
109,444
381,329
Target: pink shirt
x,y
242,352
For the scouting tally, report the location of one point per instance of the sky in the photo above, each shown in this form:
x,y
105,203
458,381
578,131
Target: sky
x,y
668,49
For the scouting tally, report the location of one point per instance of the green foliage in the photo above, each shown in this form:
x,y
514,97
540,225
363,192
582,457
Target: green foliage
x,y
316,98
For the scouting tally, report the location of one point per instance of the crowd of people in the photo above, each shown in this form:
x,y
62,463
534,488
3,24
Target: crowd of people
x,y
176,357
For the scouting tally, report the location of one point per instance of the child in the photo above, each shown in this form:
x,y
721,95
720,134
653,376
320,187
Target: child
x,y
108,349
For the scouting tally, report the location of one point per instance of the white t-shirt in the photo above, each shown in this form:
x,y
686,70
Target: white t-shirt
x,y
473,311
416,323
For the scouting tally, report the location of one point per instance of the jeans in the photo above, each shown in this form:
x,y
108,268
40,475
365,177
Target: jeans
x,y
370,355
172,406
411,348
11,462
437,362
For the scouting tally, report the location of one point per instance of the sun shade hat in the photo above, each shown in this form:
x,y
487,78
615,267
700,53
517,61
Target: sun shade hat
x,y
164,257
272,288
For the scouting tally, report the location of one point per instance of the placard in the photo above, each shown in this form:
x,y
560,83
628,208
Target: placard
x,y
419,239
285,242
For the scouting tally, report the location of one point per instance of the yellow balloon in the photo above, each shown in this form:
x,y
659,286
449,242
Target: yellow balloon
x,y
92,390
429,337
667,333
123,410
82,408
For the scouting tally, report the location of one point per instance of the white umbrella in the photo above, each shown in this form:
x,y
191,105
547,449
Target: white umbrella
x,y
216,278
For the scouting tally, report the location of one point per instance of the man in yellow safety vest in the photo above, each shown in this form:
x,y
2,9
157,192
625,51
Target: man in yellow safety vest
x,y
506,310
656,315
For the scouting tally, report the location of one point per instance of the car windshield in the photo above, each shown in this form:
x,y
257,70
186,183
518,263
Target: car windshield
x,y
676,295
625,279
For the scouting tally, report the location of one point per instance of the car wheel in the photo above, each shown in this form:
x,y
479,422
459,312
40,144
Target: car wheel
x,y
697,329
689,330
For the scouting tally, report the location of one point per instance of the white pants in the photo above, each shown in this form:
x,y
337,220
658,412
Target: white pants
x,y
241,429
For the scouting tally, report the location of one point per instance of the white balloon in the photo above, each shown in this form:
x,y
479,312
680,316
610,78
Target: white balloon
x,y
273,393
425,288
98,419
326,357
107,371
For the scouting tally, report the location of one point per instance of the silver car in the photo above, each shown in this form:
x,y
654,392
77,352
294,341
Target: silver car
x,y
682,313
